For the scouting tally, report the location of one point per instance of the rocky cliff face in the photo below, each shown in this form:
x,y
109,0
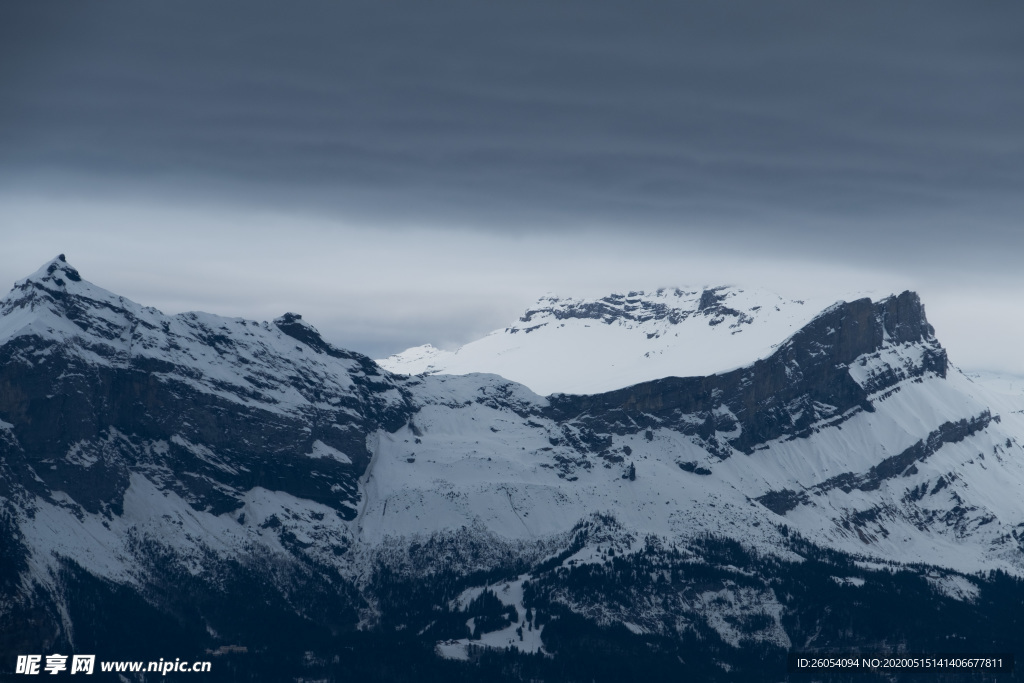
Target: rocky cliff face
x,y
804,383
95,388
219,483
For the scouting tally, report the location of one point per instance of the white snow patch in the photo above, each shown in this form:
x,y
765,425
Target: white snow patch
x,y
322,450
957,587
558,347
509,593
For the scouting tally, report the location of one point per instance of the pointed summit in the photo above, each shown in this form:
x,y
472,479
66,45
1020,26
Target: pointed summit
x,y
56,284
56,299
55,273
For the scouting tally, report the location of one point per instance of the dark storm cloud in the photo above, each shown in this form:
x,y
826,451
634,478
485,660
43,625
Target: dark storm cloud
x,y
774,120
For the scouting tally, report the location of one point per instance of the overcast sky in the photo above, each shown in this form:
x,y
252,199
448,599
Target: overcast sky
x,y
409,172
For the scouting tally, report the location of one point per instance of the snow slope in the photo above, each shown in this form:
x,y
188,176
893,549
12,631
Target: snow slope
x,y
582,346
486,466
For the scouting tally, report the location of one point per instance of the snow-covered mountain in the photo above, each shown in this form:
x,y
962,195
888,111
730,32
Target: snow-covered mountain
x,y
587,346
841,428
246,490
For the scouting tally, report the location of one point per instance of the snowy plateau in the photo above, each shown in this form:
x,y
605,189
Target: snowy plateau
x,y
685,483
580,346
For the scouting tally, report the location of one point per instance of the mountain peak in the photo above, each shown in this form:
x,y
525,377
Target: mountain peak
x,y
56,272
52,285
298,329
59,286
295,327
904,317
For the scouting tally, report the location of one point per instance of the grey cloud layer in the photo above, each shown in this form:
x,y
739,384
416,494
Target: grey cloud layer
x,y
430,168
773,120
